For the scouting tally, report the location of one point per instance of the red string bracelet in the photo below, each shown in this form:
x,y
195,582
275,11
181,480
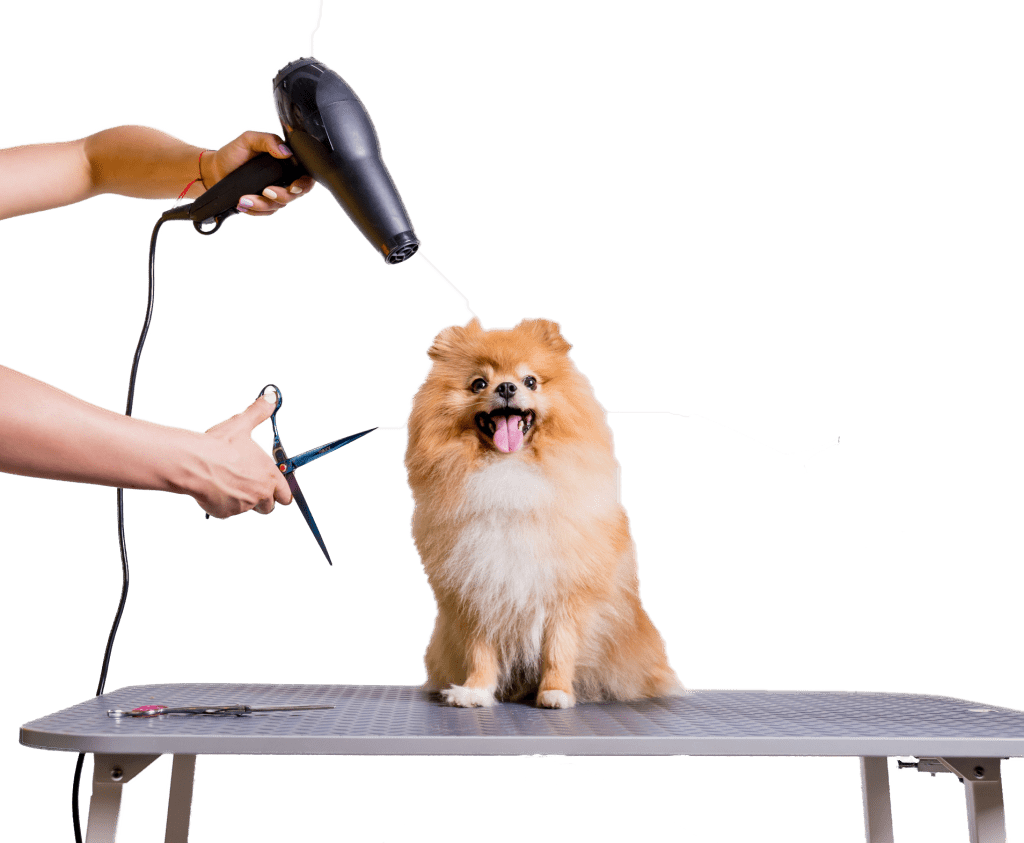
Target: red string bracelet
x,y
185,191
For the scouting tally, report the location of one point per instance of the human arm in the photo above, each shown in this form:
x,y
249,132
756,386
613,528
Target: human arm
x,y
131,161
48,433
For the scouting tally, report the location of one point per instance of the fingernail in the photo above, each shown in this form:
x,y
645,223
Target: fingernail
x,y
269,194
245,203
295,190
270,396
284,149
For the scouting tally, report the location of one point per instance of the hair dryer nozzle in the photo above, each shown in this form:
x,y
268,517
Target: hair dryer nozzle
x,y
401,247
328,129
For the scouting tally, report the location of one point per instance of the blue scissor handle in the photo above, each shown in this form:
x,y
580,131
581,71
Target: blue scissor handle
x,y
276,446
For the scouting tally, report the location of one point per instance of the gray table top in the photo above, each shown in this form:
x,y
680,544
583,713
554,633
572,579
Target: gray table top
x,y
402,720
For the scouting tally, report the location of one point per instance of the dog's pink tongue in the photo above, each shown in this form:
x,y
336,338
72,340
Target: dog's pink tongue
x,y
508,437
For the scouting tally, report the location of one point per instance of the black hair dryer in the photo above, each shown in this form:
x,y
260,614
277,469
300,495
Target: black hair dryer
x,y
328,130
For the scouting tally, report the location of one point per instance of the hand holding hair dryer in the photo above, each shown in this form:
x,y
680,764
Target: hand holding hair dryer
x,y
333,140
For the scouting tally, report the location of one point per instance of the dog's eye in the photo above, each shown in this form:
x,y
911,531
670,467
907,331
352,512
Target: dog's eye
x,y
479,385
530,382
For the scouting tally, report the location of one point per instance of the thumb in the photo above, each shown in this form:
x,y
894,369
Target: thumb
x,y
265,142
260,410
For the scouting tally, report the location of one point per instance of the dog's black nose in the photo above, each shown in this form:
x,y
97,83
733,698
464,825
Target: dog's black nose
x,y
506,390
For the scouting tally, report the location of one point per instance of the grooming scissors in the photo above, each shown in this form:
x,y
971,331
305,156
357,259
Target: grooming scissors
x,y
287,465
214,710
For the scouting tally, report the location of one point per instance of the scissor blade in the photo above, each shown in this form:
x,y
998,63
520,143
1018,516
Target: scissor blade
x,y
288,707
293,484
316,453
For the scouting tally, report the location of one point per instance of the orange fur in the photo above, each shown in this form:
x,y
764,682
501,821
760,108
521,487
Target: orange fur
x,y
528,551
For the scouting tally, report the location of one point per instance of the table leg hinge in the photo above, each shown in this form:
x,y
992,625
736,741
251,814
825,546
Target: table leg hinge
x,y
983,787
965,769
923,765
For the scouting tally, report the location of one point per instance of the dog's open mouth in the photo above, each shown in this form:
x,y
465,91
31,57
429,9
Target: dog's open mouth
x,y
506,427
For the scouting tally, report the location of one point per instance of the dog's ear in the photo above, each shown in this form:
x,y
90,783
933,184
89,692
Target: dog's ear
x,y
446,342
547,332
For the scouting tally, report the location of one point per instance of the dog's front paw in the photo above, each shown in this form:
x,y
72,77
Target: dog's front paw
x,y
555,699
468,697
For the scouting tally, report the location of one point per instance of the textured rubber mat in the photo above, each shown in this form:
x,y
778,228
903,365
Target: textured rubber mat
x,y
401,720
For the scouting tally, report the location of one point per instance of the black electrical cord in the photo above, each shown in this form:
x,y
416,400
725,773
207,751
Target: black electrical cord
x,y
120,524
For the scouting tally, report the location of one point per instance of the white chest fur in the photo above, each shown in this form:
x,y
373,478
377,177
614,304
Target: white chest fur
x,y
504,560
508,485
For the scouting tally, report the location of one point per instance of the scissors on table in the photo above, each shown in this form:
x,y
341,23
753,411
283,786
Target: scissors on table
x,y
215,710
287,465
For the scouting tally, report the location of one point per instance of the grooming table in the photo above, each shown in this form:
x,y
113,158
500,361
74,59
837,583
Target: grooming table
x,y
965,738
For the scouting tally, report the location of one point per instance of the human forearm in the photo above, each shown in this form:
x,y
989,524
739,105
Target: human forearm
x,y
48,433
133,161
130,160
141,162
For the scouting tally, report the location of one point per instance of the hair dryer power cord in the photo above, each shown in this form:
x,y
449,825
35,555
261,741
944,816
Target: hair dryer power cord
x,y
120,525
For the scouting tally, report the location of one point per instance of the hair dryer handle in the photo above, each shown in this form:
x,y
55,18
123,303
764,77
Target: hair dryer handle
x,y
252,178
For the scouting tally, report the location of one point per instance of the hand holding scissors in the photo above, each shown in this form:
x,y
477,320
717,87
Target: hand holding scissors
x,y
239,425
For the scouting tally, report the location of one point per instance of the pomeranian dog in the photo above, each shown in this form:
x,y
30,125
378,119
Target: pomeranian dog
x,y
520,529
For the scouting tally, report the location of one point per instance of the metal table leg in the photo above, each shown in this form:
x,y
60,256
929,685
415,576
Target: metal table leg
x,y
986,819
109,774
179,803
877,808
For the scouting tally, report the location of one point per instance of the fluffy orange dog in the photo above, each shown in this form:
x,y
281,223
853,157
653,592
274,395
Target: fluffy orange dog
x,y
520,530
